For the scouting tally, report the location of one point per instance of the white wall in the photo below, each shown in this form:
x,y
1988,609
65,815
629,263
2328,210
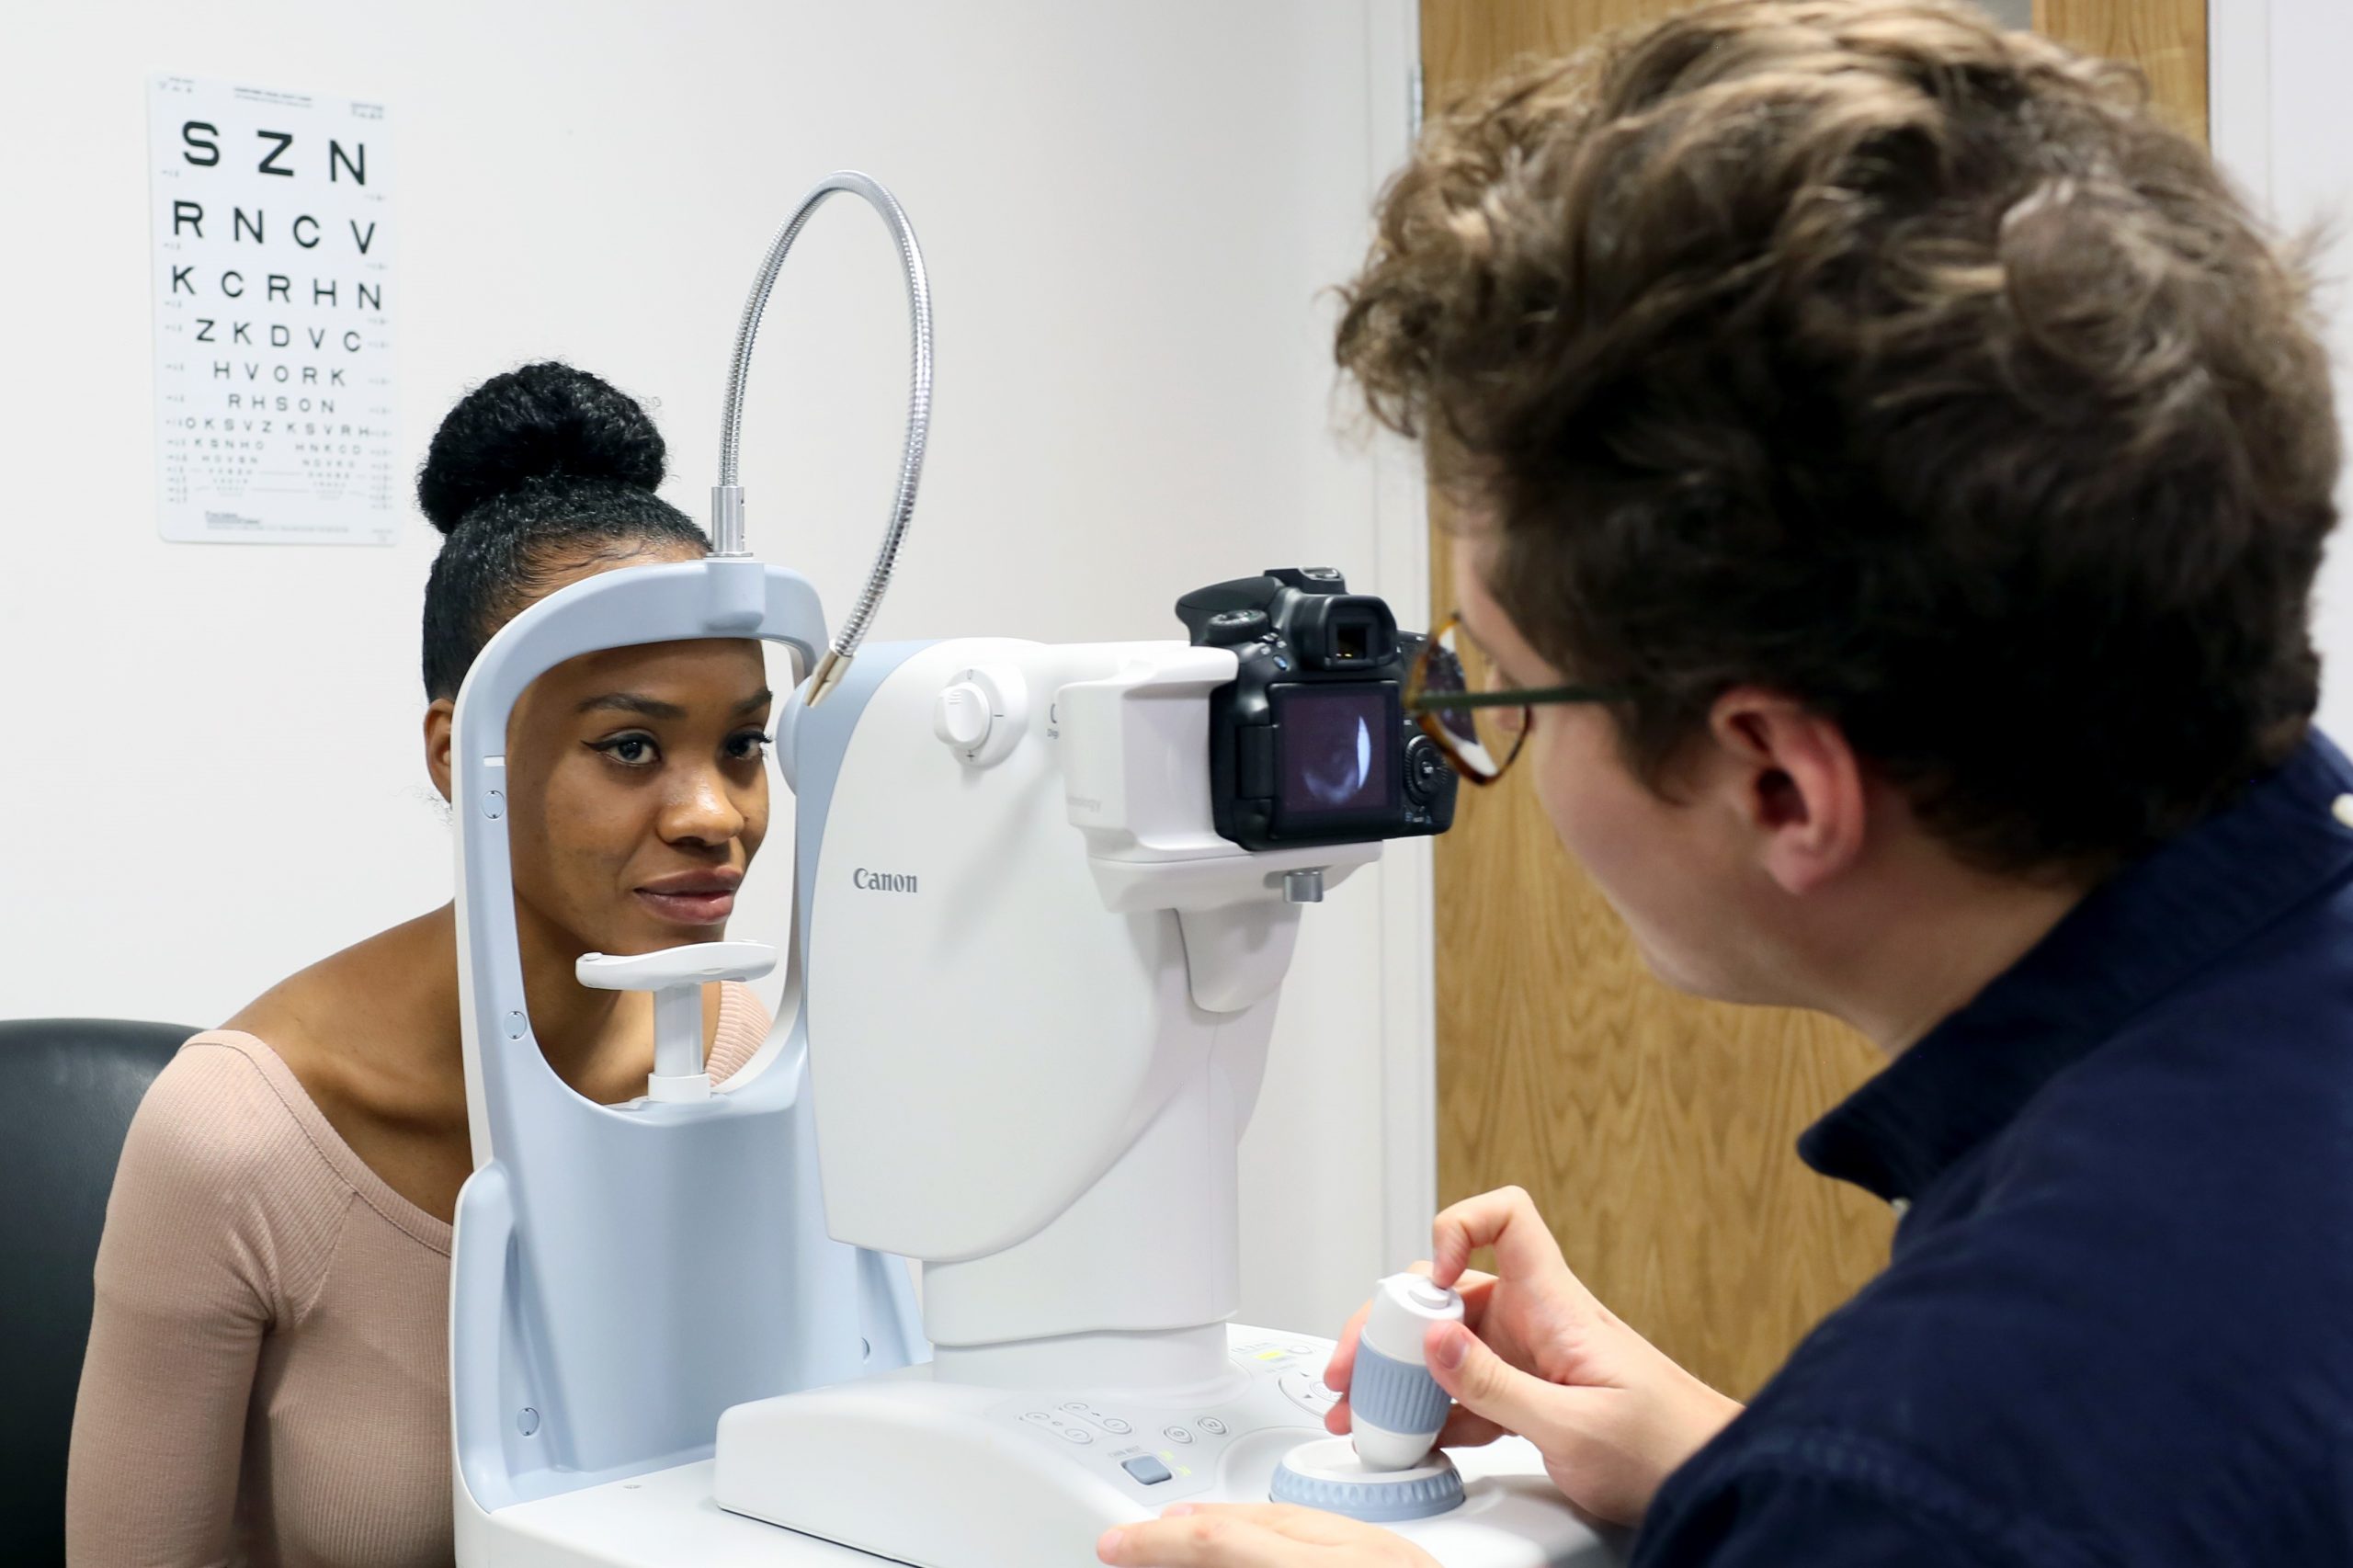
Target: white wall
x,y
1128,212
2283,127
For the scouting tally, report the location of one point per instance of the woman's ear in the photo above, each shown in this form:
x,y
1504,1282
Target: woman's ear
x,y
1799,786
438,726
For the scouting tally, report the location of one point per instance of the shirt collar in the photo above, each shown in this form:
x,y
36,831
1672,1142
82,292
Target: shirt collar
x,y
2126,943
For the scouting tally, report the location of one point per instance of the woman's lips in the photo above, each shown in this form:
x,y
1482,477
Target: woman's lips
x,y
701,897
690,908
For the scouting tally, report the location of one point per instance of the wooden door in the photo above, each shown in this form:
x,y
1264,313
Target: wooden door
x,y
1654,1131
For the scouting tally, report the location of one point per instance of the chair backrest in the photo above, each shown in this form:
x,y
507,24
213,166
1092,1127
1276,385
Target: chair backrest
x,y
67,1090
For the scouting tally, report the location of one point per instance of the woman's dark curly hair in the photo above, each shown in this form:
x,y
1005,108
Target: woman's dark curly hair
x,y
536,472
1862,351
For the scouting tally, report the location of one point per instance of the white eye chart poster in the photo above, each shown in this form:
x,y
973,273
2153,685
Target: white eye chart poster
x,y
274,302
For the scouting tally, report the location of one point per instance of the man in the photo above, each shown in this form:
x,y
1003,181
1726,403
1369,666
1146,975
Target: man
x,y
1919,461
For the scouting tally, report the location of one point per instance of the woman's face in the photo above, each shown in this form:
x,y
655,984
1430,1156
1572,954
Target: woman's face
x,y
638,791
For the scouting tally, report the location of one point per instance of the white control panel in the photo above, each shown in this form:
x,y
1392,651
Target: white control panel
x,y
1161,1454
917,1469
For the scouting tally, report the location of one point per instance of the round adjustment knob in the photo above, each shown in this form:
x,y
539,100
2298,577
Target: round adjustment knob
x,y
1326,1474
1425,770
1228,627
961,716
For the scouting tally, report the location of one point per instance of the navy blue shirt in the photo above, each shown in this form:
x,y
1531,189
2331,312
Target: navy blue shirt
x,y
2118,1326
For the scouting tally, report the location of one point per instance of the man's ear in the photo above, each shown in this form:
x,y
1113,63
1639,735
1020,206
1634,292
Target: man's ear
x,y
1800,787
439,725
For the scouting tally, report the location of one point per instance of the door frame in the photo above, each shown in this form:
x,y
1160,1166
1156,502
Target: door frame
x,y
2239,92
1407,961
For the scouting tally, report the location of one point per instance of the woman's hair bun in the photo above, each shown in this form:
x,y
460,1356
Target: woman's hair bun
x,y
540,422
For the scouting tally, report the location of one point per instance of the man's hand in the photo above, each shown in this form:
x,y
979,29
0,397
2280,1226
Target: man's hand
x,y
1263,1535
1538,1356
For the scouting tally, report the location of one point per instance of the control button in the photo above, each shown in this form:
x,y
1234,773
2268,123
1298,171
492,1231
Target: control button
x,y
1425,770
1149,1471
1073,1435
1212,1426
1113,1424
1229,627
961,716
1041,1417
1307,1391
1176,1433
1302,1350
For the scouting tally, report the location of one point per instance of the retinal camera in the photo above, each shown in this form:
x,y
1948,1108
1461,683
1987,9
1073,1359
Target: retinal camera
x,y
1311,744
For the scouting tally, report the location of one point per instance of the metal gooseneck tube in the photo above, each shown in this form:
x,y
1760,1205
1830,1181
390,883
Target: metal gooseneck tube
x,y
727,495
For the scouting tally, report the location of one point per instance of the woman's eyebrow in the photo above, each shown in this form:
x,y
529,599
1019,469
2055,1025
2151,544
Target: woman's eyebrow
x,y
654,708
629,702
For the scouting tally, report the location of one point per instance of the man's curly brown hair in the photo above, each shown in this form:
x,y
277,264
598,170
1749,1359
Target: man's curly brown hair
x,y
1863,351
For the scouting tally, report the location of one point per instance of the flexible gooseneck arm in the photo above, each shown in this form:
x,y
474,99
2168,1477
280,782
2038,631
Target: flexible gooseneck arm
x,y
727,497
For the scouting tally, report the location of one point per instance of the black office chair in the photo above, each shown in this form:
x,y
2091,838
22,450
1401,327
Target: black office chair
x,y
67,1089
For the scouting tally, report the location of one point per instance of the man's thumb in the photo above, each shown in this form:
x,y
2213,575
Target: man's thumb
x,y
1485,1383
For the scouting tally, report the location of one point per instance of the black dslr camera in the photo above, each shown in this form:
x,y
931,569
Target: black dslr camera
x,y
1311,744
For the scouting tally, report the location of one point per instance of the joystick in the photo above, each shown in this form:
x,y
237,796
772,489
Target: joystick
x,y
1385,1471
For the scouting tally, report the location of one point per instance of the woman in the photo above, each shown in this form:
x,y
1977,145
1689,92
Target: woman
x,y
268,1374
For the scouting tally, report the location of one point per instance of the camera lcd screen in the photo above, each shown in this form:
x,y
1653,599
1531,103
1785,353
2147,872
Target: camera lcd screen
x,y
1334,753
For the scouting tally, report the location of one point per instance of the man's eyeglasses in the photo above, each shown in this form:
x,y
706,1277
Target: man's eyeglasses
x,y
1481,731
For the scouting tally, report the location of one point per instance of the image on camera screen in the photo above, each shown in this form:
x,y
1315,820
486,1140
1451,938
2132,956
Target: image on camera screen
x,y
1334,751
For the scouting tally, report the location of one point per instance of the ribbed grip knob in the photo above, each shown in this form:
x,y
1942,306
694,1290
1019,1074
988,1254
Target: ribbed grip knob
x,y
1327,1474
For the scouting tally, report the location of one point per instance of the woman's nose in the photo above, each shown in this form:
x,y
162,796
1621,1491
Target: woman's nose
x,y
704,811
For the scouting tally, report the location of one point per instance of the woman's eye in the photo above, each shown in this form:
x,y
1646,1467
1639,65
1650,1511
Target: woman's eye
x,y
631,751
749,747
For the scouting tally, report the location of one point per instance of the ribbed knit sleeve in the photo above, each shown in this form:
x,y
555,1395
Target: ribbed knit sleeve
x,y
222,1222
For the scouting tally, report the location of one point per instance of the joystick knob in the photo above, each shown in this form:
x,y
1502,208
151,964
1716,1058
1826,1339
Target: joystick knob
x,y
1385,1472
1395,1405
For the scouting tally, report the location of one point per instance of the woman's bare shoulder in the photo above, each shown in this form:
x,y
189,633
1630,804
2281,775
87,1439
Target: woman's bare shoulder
x,y
347,1020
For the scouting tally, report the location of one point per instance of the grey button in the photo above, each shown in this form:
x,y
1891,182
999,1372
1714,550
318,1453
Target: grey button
x,y
1114,1425
1212,1426
1176,1433
1072,1435
1149,1471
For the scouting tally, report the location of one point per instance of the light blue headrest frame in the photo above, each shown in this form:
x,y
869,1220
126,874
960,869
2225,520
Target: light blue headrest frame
x,y
621,1277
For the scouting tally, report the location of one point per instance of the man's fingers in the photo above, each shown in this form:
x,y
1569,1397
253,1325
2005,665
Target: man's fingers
x,y
1485,1384
1337,1419
1209,1539
1343,1364
1477,1290
1467,1428
1283,1519
1505,1220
